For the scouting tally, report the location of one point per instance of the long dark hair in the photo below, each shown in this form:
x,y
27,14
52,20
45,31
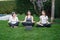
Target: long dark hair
x,y
44,12
28,11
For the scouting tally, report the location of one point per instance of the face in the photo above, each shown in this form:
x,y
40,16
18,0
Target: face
x,y
29,13
43,13
14,15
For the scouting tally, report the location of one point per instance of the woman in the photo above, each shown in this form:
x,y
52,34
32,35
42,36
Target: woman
x,y
28,22
43,20
13,20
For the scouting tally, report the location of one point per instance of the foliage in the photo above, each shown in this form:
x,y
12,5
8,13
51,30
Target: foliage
x,y
22,6
7,6
57,8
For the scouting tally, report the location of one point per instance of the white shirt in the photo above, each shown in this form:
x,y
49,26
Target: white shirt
x,y
44,19
13,20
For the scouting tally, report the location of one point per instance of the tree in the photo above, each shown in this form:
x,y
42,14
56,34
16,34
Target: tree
x,y
33,2
38,5
52,11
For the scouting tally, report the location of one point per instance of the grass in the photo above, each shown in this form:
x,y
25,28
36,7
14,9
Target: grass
x,y
7,33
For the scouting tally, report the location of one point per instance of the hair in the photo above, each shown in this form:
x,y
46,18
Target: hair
x,y
13,13
27,12
44,11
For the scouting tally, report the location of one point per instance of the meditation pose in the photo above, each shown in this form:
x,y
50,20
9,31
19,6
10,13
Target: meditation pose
x,y
13,20
43,20
28,22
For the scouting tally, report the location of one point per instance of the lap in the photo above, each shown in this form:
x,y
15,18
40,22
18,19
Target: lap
x,y
28,23
46,25
16,24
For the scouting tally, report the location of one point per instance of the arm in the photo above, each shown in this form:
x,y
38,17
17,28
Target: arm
x,y
39,22
17,19
33,19
40,19
24,19
47,20
9,20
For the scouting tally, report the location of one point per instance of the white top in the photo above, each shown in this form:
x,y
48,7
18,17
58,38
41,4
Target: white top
x,y
13,20
44,19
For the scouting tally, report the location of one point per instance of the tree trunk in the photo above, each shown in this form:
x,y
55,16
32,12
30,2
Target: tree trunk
x,y
35,8
52,11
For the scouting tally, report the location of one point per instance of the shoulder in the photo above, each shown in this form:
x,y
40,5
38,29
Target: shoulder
x,y
41,16
10,17
46,16
31,16
25,16
16,17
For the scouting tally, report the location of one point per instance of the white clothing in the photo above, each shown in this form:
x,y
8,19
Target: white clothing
x,y
13,20
44,19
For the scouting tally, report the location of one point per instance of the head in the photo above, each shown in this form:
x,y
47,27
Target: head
x,y
43,12
13,14
28,13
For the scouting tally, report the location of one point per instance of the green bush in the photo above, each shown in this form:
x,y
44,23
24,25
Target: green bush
x,y
7,6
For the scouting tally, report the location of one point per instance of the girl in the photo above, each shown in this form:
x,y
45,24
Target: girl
x,y
13,20
28,22
43,20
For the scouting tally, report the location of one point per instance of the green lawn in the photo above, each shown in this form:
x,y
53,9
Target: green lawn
x,y
7,33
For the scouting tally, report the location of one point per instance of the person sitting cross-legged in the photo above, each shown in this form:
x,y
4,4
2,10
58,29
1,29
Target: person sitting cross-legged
x,y
43,20
13,20
28,22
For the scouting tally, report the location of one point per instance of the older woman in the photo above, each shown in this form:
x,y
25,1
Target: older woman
x,y
13,20
28,22
43,20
